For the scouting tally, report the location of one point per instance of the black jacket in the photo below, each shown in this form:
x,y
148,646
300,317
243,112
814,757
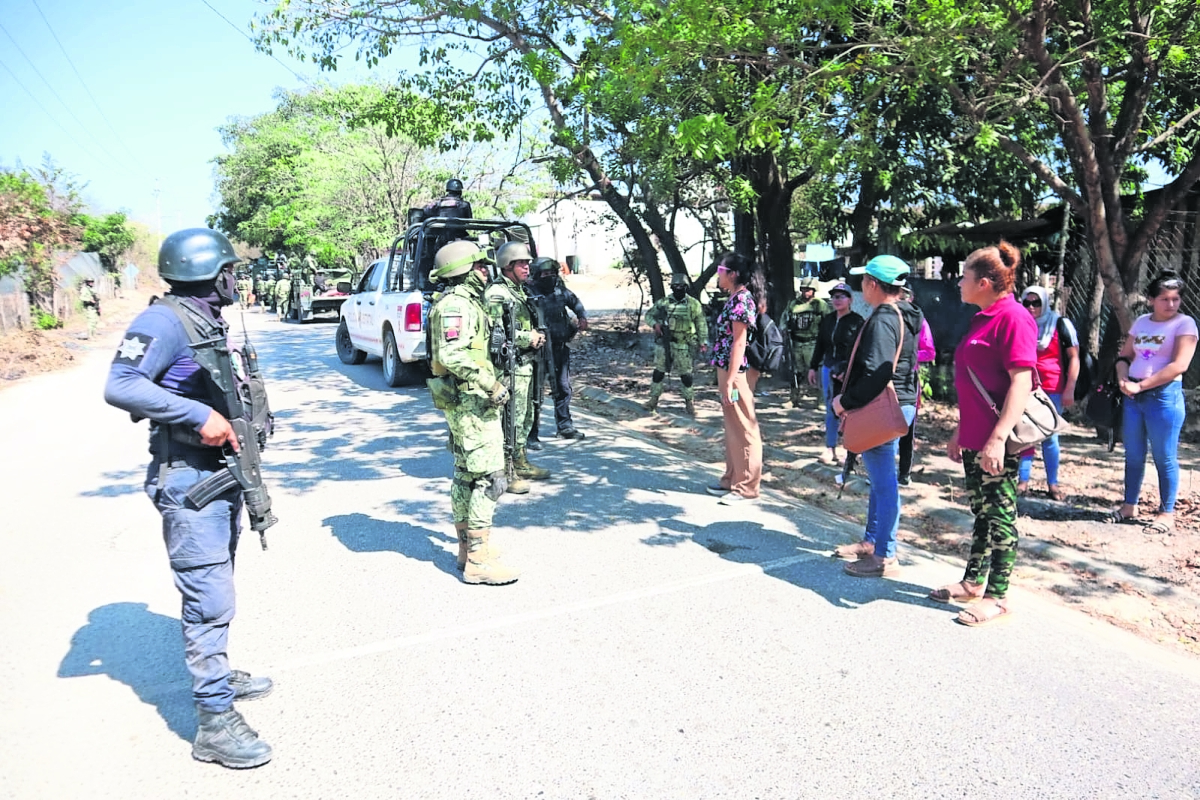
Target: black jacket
x,y
554,305
872,367
834,339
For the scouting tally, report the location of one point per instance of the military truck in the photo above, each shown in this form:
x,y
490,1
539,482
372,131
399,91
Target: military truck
x,y
309,300
386,312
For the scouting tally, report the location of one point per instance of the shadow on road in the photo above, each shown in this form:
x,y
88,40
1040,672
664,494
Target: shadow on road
x,y
363,534
143,650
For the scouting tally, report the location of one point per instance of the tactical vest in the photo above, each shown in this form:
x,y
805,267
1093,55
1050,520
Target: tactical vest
x,y
238,389
804,321
679,321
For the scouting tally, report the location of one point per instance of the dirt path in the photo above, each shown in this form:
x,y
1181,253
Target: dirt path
x,y
1146,583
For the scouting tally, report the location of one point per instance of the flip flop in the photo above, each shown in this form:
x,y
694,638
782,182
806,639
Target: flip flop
x,y
1158,527
947,594
1115,517
979,615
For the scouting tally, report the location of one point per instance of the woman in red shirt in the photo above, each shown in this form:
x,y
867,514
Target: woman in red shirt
x,y
1000,350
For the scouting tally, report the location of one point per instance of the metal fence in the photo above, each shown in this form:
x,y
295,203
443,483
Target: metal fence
x,y
15,310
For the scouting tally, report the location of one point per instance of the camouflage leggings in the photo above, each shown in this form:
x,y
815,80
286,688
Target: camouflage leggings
x,y
994,504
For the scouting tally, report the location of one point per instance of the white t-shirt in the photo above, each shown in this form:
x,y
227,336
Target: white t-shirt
x,y
1154,343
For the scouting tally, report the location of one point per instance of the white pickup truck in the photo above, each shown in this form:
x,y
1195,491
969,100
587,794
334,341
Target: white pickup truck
x,y
386,312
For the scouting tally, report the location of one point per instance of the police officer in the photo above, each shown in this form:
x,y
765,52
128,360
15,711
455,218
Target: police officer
x,y
91,305
283,296
468,390
508,289
803,320
679,331
555,299
451,204
155,376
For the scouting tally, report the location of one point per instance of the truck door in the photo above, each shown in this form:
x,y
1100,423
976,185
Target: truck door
x,y
369,310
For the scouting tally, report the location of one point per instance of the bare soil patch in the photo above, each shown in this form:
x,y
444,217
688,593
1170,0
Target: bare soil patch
x,y
1146,583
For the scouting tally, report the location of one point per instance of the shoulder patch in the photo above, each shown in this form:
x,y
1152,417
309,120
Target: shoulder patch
x,y
133,349
452,326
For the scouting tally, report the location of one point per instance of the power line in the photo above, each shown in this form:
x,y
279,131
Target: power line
x,y
53,119
83,82
38,72
250,39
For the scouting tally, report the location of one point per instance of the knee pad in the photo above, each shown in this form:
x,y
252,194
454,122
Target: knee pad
x,y
659,376
686,380
497,484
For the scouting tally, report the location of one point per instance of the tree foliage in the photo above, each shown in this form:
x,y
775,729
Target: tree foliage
x,y
109,236
38,211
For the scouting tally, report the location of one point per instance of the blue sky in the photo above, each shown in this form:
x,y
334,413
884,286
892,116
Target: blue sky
x,y
164,74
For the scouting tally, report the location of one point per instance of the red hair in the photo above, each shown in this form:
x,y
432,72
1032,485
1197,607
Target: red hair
x,y
998,264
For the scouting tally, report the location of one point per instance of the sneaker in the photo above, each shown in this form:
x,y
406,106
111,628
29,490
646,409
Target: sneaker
x,y
533,444
571,433
733,499
716,490
905,480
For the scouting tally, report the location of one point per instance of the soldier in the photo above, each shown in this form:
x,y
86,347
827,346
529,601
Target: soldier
x,y
268,292
156,375
554,299
91,305
451,204
466,388
679,330
802,323
508,289
283,296
244,289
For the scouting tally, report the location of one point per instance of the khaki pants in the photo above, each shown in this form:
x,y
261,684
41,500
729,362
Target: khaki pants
x,y
743,442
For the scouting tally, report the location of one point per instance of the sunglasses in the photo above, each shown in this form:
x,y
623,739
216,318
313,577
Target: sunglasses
x,y
723,268
1032,303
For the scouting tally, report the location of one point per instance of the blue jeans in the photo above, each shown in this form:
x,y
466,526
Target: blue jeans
x,y
1155,415
883,507
1049,452
200,546
831,420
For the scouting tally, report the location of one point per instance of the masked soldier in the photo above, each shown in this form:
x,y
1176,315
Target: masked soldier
x,y
512,260
554,299
466,388
170,368
803,320
679,330
283,296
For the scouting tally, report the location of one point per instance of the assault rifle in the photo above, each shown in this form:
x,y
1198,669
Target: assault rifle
x,y
665,339
543,367
505,357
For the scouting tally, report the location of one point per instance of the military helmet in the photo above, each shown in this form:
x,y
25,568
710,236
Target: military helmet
x,y
454,186
456,259
808,282
510,252
679,279
542,265
194,254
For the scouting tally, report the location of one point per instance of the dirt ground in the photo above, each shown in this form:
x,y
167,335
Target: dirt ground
x,y
1146,583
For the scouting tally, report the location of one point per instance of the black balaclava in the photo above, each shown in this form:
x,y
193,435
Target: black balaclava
x,y
678,292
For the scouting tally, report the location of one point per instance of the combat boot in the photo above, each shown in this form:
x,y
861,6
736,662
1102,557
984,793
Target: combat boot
x,y
524,469
689,406
515,483
224,737
483,565
656,390
246,687
460,561
795,397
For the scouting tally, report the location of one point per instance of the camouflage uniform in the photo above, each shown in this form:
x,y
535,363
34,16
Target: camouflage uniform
x,y
268,294
244,289
803,322
283,297
498,295
463,387
685,321
91,308
994,504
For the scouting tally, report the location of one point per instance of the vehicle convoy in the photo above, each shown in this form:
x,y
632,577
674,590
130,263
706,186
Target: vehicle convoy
x,y
386,313
309,300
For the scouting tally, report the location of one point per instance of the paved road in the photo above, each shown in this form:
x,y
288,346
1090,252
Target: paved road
x,y
658,645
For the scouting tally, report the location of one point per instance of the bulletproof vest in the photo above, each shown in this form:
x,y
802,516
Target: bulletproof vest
x,y
804,322
679,320
450,207
238,389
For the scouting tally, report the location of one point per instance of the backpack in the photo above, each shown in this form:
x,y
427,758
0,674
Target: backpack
x,y
764,352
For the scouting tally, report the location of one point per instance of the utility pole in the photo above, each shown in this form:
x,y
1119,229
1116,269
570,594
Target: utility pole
x,y
158,210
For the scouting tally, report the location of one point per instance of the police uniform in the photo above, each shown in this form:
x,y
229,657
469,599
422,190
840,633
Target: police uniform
x,y
685,330
501,294
155,376
466,388
554,298
804,317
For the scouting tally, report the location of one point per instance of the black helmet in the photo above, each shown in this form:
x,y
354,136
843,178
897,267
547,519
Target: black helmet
x,y
679,279
454,186
541,266
194,254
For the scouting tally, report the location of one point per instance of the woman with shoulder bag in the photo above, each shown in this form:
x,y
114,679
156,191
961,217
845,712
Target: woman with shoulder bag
x,y
885,356
1000,350
1156,354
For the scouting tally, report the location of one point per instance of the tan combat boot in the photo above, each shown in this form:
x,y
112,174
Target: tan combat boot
x,y
515,484
795,397
460,562
656,390
525,469
483,565
689,406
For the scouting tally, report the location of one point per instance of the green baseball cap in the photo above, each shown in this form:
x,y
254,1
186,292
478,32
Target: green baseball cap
x,y
885,269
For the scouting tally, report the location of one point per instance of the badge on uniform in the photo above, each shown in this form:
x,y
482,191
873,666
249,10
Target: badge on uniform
x,y
133,349
452,326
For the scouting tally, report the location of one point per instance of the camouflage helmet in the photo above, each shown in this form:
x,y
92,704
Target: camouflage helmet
x,y
456,259
510,252
194,254
542,265
679,279
808,282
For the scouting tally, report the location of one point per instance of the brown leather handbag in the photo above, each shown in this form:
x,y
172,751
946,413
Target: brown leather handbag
x,y
880,420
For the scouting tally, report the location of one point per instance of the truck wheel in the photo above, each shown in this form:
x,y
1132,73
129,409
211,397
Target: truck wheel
x,y
347,352
395,371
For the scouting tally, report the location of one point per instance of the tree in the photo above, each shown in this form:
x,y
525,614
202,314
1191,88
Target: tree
x,y
37,217
109,236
